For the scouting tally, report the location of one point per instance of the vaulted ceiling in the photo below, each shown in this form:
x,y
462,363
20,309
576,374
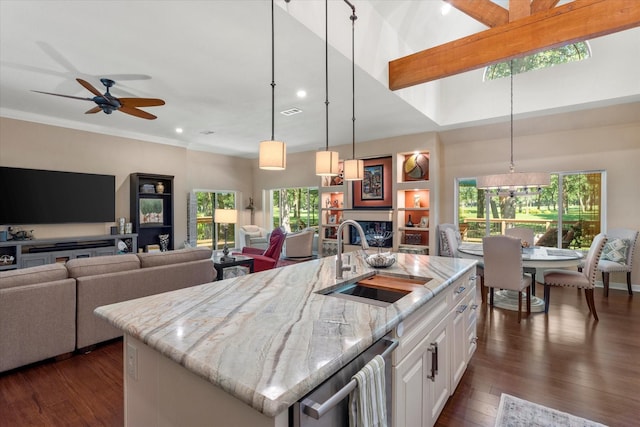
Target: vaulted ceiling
x,y
210,61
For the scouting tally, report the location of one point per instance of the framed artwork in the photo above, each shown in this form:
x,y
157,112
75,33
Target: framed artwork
x,y
374,191
333,219
424,222
151,211
372,185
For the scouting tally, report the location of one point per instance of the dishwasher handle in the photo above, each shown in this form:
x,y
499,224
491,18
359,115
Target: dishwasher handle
x,y
317,410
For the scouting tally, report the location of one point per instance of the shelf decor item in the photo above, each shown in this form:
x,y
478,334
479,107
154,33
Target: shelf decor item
x,y
164,242
409,222
424,222
160,187
416,167
151,212
412,238
374,191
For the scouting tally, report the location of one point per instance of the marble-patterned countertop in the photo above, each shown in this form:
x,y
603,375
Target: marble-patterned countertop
x,y
269,338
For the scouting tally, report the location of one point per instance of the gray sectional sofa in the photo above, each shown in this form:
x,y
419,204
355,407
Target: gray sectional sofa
x,y
47,311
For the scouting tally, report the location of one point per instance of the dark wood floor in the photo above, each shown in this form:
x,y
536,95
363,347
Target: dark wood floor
x,y
566,361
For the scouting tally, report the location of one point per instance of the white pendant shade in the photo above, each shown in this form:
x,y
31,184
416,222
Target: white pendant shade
x,y
327,163
353,170
226,216
512,180
273,155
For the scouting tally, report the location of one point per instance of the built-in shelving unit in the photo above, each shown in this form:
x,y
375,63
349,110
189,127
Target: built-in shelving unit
x,y
413,201
412,196
151,208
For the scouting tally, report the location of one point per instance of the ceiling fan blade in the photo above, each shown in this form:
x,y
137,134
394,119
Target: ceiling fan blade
x,y
135,112
89,87
141,102
65,96
93,110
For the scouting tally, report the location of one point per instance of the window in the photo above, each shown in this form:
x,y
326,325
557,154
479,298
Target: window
x,y
294,208
548,58
568,213
208,233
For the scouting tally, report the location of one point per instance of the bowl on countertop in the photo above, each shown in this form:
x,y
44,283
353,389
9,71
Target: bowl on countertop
x,y
380,260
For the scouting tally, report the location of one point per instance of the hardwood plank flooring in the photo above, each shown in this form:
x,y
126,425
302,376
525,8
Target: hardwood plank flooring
x,y
566,361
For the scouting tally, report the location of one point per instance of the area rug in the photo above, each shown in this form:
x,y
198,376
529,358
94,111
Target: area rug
x,y
515,412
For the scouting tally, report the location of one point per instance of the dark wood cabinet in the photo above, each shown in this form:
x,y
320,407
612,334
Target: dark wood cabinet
x,y
151,206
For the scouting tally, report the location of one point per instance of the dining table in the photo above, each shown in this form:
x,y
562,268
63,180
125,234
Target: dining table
x,y
533,258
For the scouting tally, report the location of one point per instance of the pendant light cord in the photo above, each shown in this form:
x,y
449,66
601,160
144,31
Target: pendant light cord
x,y
326,67
512,166
273,73
353,18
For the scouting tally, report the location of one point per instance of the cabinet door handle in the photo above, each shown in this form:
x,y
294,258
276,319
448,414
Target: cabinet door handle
x,y
474,306
474,340
434,361
462,308
460,290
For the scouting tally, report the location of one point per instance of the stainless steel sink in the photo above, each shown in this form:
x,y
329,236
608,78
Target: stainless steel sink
x,y
380,290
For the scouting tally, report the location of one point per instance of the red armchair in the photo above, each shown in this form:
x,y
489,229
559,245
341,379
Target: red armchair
x,y
266,259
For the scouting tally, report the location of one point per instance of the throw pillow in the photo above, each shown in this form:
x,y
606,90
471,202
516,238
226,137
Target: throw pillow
x,y
616,250
444,245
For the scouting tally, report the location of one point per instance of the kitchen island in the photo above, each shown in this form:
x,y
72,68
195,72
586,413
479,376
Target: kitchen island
x,y
244,350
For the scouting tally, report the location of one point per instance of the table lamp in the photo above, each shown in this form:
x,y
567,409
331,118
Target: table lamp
x,y
225,217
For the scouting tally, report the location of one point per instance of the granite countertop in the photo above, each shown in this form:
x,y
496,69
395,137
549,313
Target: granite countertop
x,y
269,338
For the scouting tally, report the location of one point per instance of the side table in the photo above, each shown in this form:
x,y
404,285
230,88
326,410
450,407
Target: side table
x,y
239,260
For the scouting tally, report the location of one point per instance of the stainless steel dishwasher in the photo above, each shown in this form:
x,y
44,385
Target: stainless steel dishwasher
x,y
328,404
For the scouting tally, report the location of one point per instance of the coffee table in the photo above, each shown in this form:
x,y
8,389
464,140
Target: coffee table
x,y
239,260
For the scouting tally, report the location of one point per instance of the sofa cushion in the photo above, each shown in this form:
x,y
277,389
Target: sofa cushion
x,y
32,275
82,267
155,259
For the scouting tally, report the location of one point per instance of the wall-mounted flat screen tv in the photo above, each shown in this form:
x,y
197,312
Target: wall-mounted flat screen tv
x,y
33,196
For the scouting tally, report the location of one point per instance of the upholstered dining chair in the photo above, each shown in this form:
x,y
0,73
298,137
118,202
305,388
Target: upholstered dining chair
x,y
617,255
266,259
526,236
585,279
503,268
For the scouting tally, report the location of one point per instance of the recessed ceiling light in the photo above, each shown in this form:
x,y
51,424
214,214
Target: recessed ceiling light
x,y
178,130
291,111
301,93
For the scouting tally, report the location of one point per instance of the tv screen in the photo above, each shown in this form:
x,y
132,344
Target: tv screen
x,y
33,196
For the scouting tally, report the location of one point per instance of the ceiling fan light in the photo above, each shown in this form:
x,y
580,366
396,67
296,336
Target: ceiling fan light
x,y
327,163
353,170
273,155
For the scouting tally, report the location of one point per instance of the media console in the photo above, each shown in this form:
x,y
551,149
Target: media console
x,y
30,253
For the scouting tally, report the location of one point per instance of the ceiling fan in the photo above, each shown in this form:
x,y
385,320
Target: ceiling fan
x,y
109,103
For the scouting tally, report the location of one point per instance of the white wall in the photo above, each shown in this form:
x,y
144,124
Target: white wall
x,y
37,146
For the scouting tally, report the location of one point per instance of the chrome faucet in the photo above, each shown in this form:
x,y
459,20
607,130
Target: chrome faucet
x,y
363,242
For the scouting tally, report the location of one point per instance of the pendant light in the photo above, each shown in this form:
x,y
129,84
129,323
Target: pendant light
x,y
273,154
327,161
354,168
513,183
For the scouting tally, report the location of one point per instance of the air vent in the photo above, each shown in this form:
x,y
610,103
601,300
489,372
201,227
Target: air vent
x,y
291,111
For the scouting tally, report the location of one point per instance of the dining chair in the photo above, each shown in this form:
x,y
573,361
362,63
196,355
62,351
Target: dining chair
x,y
585,279
617,255
526,236
503,268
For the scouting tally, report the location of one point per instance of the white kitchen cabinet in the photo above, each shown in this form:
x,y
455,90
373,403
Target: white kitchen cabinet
x,y
426,372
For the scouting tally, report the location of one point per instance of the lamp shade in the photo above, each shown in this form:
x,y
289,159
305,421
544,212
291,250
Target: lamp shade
x,y
353,170
226,216
327,163
513,180
273,155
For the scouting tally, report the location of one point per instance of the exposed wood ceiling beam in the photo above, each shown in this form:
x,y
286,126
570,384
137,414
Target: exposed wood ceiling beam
x,y
542,5
569,23
483,11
